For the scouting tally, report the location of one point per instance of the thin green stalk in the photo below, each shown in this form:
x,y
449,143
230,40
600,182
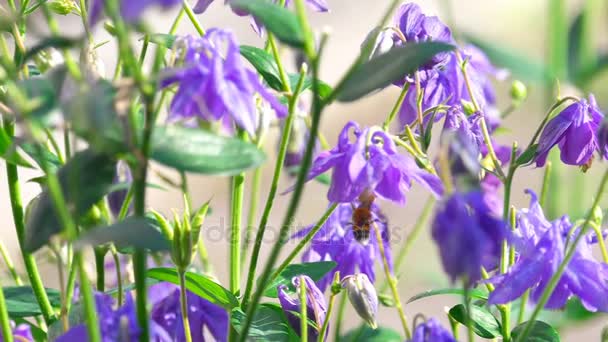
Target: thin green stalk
x,y
562,266
330,308
467,304
86,289
277,58
69,61
419,96
199,28
54,145
304,241
392,283
411,238
238,191
303,308
18,219
522,307
183,299
10,265
85,20
396,107
339,319
118,269
546,181
5,323
66,304
253,208
274,185
454,326
100,254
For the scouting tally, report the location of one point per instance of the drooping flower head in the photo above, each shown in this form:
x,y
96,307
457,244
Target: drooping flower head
x,y
574,130
468,232
202,5
370,163
208,322
316,306
363,297
541,247
431,331
336,241
130,10
214,85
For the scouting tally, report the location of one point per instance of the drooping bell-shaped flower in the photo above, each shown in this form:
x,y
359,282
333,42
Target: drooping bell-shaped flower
x,y
363,297
337,241
370,163
469,232
130,10
215,86
207,320
431,331
316,306
541,247
574,130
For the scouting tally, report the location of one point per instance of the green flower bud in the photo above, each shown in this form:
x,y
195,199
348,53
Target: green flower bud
x,y
63,7
468,107
363,297
597,215
518,92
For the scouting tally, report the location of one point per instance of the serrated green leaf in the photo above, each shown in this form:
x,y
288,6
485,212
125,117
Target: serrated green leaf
x,y
269,324
387,68
540,332
198,284
84,180
21,301
484,323
278,20
133,232
199,151
315,270
474,293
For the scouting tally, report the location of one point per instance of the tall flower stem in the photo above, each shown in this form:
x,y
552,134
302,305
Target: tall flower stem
x,y
18,219
339,318
238,191
392,282
8,262
303,314
562,266
253,208
197,25
467,304
118,268
396,107
274,185
183,299
100,254
330,308
5,324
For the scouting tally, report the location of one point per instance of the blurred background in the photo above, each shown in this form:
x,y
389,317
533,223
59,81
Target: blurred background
x,y
518,27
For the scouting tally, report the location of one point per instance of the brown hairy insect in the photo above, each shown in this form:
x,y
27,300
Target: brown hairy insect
x,y
363,217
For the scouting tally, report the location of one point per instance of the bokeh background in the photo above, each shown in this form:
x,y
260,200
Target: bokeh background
x,y
518,26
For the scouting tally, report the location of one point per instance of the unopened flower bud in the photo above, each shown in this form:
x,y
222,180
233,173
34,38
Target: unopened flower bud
x,y
363,297
597,216
63,7
47,59
468,107
518,92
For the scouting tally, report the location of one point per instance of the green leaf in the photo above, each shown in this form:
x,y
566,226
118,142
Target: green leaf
x,y
366,334
387,68
84,180
198,284
474,293
520,66
132,232
269,324
9,152
42,94
276,19
324,89
59,43
315,270
527,156
40,156
92,115
484,323
163,39
265,65
21,301
540,332
199,151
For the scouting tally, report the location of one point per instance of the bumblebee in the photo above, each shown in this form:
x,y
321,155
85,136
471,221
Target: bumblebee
x,y
363,218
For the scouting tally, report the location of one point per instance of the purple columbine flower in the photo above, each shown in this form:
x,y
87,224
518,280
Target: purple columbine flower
x,y
215,86
336,241
206,319
316,5
431,331
21,333
370,163
115,324
574,130
541,246
130,10
468,232
316,306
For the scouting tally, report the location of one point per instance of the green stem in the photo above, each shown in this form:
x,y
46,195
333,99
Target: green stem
x,y
85,20
5,324
522,307
274,185
562,266
330,308
253,208
18,219
238,190
396,107
93,331
339,319
197,25
100,254
392,283
10,265
305,240
546,181
303,308
467,304
66,305
117,267
183,299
